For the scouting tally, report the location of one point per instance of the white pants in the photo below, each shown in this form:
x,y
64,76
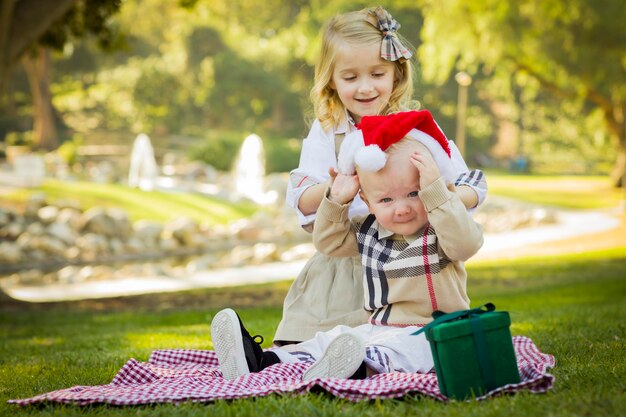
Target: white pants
x,y
388,349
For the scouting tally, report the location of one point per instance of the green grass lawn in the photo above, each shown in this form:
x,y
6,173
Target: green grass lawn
x,y
571,306
570,192
151,205
565,191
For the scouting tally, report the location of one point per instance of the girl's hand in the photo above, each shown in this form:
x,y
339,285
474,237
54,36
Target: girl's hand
x,y
426,165
343,187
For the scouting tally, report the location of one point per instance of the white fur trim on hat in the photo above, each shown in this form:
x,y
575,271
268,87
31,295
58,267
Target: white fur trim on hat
x,y
443,161
353,153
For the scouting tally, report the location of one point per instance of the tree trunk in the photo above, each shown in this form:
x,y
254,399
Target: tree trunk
x,y
507,132
616,122
618,174
37,67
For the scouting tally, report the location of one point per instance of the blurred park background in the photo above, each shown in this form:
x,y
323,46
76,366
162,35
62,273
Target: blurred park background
x,y
145,147
545,80
137,129
132,130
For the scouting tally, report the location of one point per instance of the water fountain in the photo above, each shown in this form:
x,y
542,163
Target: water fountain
x,y
249,172
143,167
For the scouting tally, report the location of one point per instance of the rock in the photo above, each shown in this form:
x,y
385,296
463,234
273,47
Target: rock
x,y
264,252
11,253
47,214
100,272
148,232
116,246
35,229
240,255
67,203
91,246
201,264
50,245
182,229
71,217
122,223
169,244
302,251
97,221
6,217
33,204
62,232
13,230
246,230
69,274
134,245
31,276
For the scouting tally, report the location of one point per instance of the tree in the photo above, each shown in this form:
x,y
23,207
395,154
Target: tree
x,y
574,50
30,28
22,23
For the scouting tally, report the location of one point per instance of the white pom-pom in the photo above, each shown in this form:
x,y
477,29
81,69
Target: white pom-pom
x,y
440,156
370,158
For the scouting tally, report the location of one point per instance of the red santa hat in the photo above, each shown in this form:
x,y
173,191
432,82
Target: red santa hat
x,y
366,146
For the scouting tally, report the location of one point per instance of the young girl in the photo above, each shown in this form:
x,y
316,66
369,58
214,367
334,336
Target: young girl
x,y
363,70
412,246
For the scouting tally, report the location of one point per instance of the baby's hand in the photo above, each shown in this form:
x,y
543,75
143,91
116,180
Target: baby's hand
x,y
426,165
343,187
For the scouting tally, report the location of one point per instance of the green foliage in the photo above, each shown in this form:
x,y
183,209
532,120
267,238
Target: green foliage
x,y
19,139
158,101
86,17
551,74
549,67
69,149
569,306
218,150
281,155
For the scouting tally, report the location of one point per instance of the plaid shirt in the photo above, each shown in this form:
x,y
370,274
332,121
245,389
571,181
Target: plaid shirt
x,y
389,259
406,278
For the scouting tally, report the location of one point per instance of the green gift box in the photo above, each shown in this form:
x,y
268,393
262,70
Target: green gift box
x,y
472,350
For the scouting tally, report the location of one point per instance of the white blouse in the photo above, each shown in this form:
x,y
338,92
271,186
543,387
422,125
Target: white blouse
x,y
318,155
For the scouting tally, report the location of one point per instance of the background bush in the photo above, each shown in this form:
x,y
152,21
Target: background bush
x,y
220,148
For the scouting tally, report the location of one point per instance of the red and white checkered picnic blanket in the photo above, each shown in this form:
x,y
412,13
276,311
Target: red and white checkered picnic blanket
x,y
172,376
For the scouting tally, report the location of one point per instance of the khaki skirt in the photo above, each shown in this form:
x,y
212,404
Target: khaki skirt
x,y
328,292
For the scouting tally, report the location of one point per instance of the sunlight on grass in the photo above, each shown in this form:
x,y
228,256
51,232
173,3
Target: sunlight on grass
x,y
171,337
160,340
153,205
44,341
522,328
574,192
569,306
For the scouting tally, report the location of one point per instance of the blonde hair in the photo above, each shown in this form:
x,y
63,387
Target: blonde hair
x,y
356,28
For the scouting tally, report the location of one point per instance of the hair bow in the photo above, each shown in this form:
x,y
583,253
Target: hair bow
x,y
391,49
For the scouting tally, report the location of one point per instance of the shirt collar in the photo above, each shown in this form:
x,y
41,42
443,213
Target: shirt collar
x,y
346,125
385,234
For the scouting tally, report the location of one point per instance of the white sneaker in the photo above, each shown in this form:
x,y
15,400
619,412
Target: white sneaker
x,y
228,344
341,359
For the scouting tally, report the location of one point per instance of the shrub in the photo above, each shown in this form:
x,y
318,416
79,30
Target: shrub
x,y
281,155
218,150
221,147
